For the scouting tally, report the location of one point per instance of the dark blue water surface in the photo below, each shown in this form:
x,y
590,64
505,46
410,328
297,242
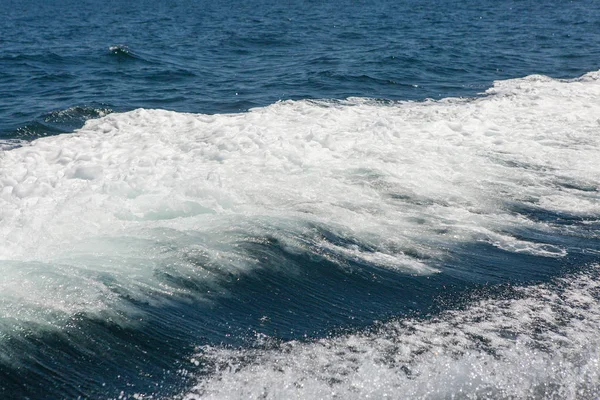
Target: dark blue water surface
x,y
228,56
63,62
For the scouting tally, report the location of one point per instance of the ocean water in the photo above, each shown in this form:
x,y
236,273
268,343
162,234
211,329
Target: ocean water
x,y
277,200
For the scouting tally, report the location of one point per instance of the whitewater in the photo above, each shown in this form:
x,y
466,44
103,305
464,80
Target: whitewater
x,y
153,208
543,345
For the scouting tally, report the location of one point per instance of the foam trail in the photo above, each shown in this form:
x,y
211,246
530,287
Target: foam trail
x,y
394,185
542,344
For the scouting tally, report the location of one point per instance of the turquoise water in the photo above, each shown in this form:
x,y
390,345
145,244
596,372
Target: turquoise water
x,y
299,199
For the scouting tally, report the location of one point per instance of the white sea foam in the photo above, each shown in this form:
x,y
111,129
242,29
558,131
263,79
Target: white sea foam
x,y
400,184
8,144
542,345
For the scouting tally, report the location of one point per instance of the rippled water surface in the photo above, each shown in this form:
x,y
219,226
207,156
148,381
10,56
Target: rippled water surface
x,y
347,199
227,56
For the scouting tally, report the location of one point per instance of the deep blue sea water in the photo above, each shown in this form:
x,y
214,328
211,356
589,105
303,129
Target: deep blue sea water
x,y
220,57
299,199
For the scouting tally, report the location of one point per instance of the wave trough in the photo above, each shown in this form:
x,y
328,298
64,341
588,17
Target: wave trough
x,y
542,343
